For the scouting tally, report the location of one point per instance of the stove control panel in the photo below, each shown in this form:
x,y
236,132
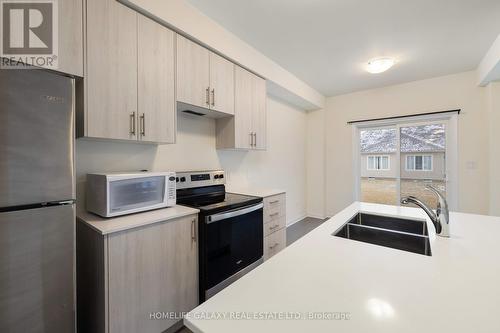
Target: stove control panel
x,y
200,178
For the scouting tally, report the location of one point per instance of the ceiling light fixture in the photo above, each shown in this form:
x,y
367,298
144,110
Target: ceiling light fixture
x,y
380,65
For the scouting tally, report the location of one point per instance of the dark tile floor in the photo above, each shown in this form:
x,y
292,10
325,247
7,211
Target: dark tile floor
x,y
301,228
293,233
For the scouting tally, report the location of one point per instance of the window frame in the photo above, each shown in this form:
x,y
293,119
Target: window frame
x,y
380,163
415,163
451,166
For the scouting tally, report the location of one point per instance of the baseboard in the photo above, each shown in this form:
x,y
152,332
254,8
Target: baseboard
x,y
296,220
316,216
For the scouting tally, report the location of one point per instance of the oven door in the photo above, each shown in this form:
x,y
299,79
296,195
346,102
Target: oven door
x,y
232,241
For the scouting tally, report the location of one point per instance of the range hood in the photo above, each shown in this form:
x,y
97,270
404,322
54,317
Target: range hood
x,y
194,110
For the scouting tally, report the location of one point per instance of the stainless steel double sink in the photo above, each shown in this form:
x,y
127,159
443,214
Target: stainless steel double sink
x,y
401,234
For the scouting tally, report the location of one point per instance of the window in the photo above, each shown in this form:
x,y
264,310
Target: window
x,y
419,163
415,153
379,162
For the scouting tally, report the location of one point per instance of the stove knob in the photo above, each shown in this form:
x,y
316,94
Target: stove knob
x,y
183,179
221,176
216,176
176,179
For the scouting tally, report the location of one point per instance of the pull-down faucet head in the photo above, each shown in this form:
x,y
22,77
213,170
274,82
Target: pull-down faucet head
x,y
440,219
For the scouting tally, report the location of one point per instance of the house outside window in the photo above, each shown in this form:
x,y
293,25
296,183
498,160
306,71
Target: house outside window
x,y
378,162
419,162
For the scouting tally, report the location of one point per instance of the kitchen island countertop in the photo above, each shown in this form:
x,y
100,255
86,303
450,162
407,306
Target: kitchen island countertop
x,y
323,283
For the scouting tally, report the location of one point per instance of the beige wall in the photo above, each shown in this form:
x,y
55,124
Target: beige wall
x,y
282,166
443,93
493,100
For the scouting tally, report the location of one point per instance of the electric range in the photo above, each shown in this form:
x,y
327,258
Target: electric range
x,y
230,229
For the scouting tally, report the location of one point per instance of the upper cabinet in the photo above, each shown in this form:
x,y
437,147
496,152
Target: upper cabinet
x,y
111,71
70,31
138,73
247,129
129,90
221,84
204,79
69,38
193,73
156,88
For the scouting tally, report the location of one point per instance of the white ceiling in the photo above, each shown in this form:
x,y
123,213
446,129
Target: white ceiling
x,y
326,43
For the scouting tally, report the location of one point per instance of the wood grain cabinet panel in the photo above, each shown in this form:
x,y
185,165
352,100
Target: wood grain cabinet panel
x,y
221,84
126,277
152,269
247,130
111,71
193,73
156,87
70,54
274,224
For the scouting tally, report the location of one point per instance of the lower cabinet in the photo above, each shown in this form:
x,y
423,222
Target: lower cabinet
x,y
274,225
129,280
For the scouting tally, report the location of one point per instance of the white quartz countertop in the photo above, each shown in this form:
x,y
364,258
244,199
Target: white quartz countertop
x,y
378,289
254,191
121,223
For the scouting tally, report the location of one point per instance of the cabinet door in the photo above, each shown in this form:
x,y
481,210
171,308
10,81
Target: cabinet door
x,y
243,105
193,73
221,84
156,91
111,73
70,37
152,269
259,122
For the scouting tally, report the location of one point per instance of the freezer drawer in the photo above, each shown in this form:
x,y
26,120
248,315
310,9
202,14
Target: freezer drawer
x,y
36,137
37,270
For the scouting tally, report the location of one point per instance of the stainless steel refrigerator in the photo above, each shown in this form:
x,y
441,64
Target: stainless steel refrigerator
x,y
37,192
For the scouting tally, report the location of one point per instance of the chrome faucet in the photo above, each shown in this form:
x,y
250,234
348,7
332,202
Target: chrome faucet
x,y
440,219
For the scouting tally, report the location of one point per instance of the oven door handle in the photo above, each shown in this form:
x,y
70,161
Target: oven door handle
x,y
233,213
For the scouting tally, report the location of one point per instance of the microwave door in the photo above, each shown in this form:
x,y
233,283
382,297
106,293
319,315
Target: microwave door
x,y
136,194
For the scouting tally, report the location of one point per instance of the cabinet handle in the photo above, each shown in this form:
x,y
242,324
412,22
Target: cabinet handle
x,y
274,201
207,96
132,123
251,139
143,124
255,141
273,214
275,226
272,247
213,97
193,230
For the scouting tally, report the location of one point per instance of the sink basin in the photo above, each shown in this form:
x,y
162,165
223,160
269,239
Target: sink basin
x,y
396,233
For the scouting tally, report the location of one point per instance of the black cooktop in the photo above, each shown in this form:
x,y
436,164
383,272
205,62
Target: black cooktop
x,y
214,199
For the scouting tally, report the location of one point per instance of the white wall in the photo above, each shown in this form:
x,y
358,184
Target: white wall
x,y
316,164
489,68
282,165
443,93
493,100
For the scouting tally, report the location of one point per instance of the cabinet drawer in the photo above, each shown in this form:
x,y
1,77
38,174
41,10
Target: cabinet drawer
x,y
274,225
274,243
274,201
274,208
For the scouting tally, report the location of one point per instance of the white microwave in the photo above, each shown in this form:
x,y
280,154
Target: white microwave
x,y
114,194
